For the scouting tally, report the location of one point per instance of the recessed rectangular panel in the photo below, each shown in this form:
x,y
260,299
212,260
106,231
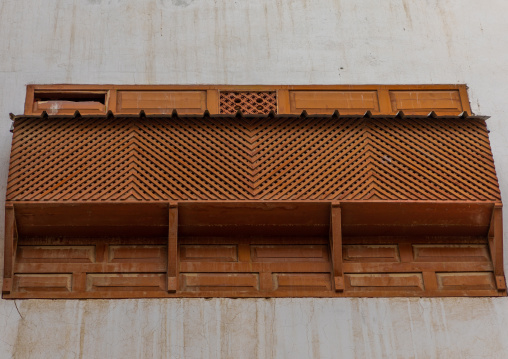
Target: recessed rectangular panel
x,y
289,253
137,253
451,253
42,282
125,282
302,281
56,254
370,253
469,280
163,102
324,102
426,101
384,281
220,281
208,253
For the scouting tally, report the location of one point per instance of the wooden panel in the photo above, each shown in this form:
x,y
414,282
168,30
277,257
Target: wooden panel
x,y
387,281
69,107
371,253
42,282
137,253
471,280
220,282
302,281
126,282
323,102
56,254
209,268
451,253
208,253
288,253
161,101
426,101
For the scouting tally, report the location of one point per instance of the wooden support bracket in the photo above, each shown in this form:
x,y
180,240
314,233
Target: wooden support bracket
x,y
496,245
173,247
336,245
9,248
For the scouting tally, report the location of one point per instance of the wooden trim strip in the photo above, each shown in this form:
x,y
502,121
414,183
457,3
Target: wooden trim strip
x,y
173,247
9,248
336,245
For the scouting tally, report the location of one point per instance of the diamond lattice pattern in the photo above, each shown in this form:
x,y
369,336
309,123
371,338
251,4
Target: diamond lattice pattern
x,y
231,158
253,103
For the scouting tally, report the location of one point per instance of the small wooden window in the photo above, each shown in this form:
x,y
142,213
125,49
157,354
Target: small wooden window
x,y
67,102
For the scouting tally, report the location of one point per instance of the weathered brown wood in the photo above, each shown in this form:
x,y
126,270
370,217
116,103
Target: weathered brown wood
x,y
279,269
336,245
347,102
345,98
413,102
406,252
430,281
79,282
255,205
496,245
212,101
161,101
9,249
283,102
172,274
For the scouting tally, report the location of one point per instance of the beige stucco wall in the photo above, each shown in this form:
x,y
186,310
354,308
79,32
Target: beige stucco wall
x,y
256,42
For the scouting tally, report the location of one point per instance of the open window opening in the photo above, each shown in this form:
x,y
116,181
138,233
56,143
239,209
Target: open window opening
x,y
66,102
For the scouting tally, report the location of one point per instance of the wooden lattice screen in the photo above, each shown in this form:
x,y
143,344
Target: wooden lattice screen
x,y
204,191
225,205
251,103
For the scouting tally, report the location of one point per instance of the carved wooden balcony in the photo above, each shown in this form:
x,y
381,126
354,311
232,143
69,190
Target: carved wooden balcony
x,y
106,206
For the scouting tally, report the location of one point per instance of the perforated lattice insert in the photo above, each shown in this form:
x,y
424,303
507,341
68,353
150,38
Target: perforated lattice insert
x,y
230,158
248,102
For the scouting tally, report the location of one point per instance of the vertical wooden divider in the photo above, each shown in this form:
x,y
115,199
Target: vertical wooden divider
x,y
212,101
283,105
464,99
9,248
111,102
336,245
173,247
496,245
385,104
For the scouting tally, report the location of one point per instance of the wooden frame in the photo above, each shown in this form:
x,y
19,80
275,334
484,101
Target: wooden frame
x,y
340,98
151,202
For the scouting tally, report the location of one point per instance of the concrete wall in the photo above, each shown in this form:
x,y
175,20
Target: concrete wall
x,y
257,42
